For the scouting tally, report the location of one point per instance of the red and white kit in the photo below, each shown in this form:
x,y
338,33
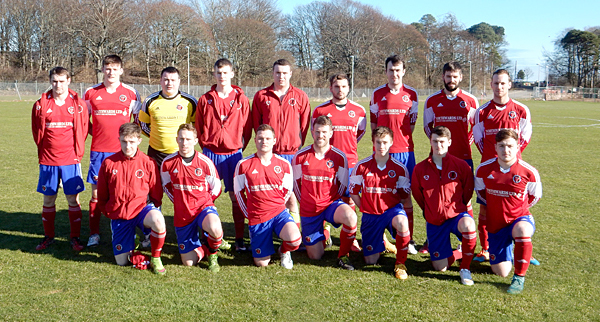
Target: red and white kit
x,y
445,193
262,190
288,115
457,114
382,188
124,185
491,118
508,194
109,111
398,111
224,125
319,182
190,186
349,125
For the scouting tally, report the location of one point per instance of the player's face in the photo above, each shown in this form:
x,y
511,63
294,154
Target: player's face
x,y
507,150
223,75
382,145
500,85
339,89
170,83
186,140
451,80
282,75
60,84
112,73
395,73
440,144
264,140
321,135
129,144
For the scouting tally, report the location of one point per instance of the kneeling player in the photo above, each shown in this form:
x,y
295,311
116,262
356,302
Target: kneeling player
x,y
509,186
126,181
442,185
320,180
263,183
383,184
191,181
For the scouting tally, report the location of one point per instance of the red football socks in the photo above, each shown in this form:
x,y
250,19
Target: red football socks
x,y
411,223
290,246
238,220
214,243
157,241
523,250
75,220
95,215
402,240
469,241
48,216
347,236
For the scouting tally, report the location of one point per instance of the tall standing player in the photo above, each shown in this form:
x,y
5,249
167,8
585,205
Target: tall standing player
x,y
285,108
501,112
163,112
320,180
442,186
509,186
192,183
263,183
395,105
129,192
225,126
110,104
383,184
59,122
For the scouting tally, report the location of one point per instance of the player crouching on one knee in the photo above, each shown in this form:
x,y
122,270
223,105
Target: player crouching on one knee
x,y
442,185
191,181
126,181
383,184
509,186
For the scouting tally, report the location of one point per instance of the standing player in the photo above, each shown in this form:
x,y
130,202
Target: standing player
x,y
509,186
59,122
110,104
442,186
500,113
455,109
163,112
395,105
383,184
126,181
287,109
320,180
225,126
191,181
263,183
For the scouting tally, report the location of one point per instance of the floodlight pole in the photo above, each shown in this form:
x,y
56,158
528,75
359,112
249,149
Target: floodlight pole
x,y
470,77
188,68
352,79
547,77
538,78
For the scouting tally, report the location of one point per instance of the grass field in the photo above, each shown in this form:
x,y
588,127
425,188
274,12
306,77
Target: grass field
x,y
58,284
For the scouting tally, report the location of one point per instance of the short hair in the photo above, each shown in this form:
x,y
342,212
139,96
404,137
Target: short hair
x,y
452,67
381,131
61,71
500,72
395,60
337,77
188,127
222,63
112,59
265,127
323,120
282,62
130,129
169,70
442,132
504,134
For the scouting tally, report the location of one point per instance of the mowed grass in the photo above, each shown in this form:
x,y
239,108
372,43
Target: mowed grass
x,y
58,284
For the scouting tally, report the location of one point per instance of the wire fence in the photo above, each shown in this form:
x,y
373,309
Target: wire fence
x,y
565,93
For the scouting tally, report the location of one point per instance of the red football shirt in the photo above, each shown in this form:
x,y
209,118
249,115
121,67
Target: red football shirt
x,y
398,111
58,141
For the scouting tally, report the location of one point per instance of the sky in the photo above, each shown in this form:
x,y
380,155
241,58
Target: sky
x,y
530,26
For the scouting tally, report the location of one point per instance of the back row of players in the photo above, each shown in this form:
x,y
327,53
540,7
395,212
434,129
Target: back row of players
x,y
327,177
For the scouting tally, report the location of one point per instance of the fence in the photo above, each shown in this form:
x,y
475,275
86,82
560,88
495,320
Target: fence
x,y
564,93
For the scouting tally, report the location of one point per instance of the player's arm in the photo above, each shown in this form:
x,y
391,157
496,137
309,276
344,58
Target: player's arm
x,y
342,176
88,104
135,106
37,124
199,124
480,186
213,180
428,118
305,118
239,188
414,112
526,129
103,191
167,184
288,182
471,120
534,189
468,183
374,112
193,103
297,171
403,185
156,191
478,130
247,118
361,126
143,118
356,182
257,118
415,187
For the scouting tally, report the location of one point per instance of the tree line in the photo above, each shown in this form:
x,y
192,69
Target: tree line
x,y
576,58
320,37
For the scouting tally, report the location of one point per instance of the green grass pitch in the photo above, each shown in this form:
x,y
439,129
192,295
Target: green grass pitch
x,y
59,285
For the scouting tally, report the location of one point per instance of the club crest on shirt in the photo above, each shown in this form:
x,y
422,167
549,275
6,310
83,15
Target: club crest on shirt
x,y
426,177
115,171
198,171
406,98
516,178
512,114
463,104
139,173
258,251
181,246
330,164
292,101
122,98
452,175
119,247
277,169
179,107
351,114
71,109
392,173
